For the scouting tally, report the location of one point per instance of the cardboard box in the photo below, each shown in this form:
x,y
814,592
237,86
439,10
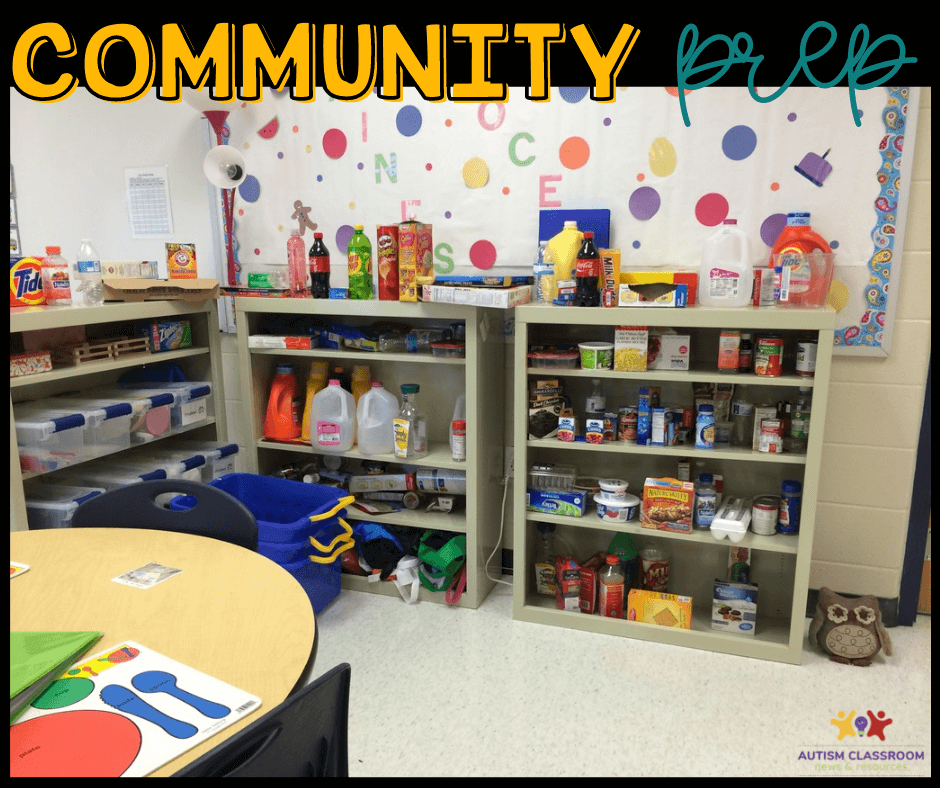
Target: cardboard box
x,y
668,350
610,272
142,269
589,582
630,348
654,295
667,505
567,425
567,583
734,607
664,610
165,335
647,399
383,481
136,290
663,277
31,363
181,261
497,298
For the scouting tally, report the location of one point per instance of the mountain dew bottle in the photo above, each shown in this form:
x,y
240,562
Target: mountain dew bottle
x,y
360,266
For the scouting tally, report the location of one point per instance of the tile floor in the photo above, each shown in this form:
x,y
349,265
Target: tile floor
x,y
440,691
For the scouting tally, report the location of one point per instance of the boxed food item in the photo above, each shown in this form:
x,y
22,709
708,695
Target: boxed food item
x,y
734,607
610,272
665,610
667,505
497,298
415,261
165,335
546,400
143,269
30,363
667,349
589,582
384,481
647,400
181,261
569,504
663,277
630,348
567,583
652,295
26,282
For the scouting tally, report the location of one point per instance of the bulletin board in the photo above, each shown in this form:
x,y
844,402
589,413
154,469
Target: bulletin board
x,y
480,174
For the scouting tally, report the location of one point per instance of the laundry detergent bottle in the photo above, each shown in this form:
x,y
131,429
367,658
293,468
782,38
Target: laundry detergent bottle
x,y
726,277
333,419
282,419
795,249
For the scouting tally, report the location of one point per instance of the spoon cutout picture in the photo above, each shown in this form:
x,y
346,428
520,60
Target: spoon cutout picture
x,y
161,681
123,699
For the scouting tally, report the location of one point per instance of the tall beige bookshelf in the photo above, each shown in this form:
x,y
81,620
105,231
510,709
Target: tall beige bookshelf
x,y
780,564
441,380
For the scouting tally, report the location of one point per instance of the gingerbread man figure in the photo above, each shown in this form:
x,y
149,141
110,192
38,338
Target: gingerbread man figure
x,y
300,214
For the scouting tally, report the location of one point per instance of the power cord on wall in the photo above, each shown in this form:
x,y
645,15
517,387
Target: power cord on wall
x,y
499,541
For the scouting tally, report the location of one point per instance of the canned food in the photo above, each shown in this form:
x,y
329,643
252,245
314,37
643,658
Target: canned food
x,y
764,513
788,521
610,426
768,356
628,421
806,358
771,436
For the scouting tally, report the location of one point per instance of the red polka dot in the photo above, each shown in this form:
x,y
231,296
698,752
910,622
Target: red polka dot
x,y
428,166
295,129
711,210
483,255
257,251
448,122
241,211
334,143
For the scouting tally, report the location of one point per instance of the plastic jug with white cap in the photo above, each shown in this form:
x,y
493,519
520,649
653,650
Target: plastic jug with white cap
x,y
375,420
727,272
333,419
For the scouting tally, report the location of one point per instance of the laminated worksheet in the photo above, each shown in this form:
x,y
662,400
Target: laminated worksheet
x,y
123,712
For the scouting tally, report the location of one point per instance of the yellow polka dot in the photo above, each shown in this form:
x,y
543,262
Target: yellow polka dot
x,y
838,297
476,173
309,149
352,206
245,145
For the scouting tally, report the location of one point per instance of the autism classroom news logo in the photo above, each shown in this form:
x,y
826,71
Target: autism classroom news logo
x,y
850,725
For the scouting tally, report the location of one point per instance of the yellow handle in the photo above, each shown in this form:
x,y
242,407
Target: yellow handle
x,y
342,503
344,540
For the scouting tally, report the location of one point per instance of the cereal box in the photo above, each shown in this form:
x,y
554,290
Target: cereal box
x,y
667,505
415,259
647,400
181,261
734,607
630,348
664,610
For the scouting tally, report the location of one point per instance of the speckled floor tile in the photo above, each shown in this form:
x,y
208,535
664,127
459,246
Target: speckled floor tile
x,y
440,691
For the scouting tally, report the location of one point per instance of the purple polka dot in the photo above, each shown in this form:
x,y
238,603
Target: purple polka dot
x,y
319,179
791,117
739,142
644,203
606,121
833,244
771,228
250,189
343,234
408,121
447,214
572,95
636,244
280,155
359,165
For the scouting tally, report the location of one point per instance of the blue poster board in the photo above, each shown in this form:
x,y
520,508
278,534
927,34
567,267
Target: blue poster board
x,y
597,220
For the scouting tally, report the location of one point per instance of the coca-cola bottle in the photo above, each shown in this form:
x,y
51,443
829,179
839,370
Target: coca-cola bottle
x,y
319,268
587,272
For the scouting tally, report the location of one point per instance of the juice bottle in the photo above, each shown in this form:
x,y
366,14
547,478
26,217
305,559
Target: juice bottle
x,y
359,254
282,420
316,382
56,285
792,250
727,275
563,249
587,273
610,593
411,428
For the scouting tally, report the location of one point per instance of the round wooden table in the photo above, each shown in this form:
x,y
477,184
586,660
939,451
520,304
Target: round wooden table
x,y
230,613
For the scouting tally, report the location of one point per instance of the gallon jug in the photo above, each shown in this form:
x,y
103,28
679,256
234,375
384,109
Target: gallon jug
x,y
315,383
375,420
282,420
727,274
809,259
564,250
333,419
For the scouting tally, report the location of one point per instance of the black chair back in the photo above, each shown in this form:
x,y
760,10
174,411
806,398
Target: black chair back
x,y
216,514
303,737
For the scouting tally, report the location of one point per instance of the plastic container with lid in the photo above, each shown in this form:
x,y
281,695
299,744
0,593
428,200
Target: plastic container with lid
x,y
108,420
221,457
52,505
192,401
116,473
726,276
553,359
49,435
619,511
614,490
732,519
187,464
448,349
556,478
597,355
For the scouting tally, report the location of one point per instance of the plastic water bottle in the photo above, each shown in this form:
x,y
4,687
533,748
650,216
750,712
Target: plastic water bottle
x,y
297,264
88,276
544,273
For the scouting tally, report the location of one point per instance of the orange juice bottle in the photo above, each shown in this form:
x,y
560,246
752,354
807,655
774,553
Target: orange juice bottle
x,y
282,420
316,382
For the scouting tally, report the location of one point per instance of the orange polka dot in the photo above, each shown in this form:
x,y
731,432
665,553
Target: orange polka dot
x,y
774,186
295,129
574,153
448,122
675,92
640,176
505,190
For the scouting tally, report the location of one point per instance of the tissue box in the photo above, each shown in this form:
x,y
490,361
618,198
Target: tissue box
x,y
734,607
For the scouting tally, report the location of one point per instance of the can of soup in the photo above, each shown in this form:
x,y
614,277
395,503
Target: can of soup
x,y
806,358
768,355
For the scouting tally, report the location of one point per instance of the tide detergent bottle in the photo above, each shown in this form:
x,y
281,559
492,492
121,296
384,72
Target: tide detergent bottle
x,y
282,419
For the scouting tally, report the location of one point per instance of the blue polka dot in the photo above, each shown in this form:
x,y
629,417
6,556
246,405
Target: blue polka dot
x,y
408,121
739,142
250,189
636,244
573,95
319,178
833,244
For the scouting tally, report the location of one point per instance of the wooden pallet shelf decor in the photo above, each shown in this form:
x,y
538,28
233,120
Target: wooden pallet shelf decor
x,y
99,350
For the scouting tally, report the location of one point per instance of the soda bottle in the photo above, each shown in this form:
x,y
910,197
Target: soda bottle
x,y
587,272
319,268
88,270
359,254
297,270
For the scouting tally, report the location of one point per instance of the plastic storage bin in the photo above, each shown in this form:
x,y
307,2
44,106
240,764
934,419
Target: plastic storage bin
x,y
150,417
221,458
192,406
52,505
47,437
170,459
107,422
116,473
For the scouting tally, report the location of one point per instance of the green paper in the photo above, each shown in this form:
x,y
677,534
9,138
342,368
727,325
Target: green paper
x,y
39,658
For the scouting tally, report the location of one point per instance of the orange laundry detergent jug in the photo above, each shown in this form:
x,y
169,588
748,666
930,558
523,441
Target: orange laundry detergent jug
x,y
282,420
809,260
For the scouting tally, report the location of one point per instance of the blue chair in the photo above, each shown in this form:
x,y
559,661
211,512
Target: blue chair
x,y
216,514
306,736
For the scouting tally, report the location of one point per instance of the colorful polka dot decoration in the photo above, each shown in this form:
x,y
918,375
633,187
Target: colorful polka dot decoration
x,y
334,143
644,203
712,209
739,142
249,189
408,121
483,255
475,173
574,153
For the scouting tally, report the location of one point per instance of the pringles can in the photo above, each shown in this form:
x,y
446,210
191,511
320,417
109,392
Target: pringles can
x,y
387,244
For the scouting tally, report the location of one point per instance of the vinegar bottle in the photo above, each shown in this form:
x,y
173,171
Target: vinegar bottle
x,y
610,596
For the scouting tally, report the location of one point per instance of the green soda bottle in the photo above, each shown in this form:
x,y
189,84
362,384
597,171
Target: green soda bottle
x,y
359,254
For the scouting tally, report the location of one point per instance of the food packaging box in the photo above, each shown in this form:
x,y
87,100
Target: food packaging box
x,y
384,481
568,425
667,505
761,412
136,269
181,261
610,272
653,295
165,335
567,583
497,298
630,348
568,504
121,289
285,343
734,607
665,610
546,400
30,363
415,259
663,277
648,399
594,429
668,350
589,582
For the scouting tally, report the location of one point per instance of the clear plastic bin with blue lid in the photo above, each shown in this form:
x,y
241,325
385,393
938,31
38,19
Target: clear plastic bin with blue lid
x,y
192,460
109,417
192,403
151,410
117,472
52,505
221,456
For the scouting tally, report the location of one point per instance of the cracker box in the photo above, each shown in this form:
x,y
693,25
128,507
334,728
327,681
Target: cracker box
x,y
668,350
734,607
181,261
664,610
567,583
31,363
630,348
667,505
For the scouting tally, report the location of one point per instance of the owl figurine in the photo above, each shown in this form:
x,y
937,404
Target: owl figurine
x,y
849,630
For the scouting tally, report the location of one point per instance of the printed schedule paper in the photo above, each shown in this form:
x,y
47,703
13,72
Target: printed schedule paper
x,y
148,202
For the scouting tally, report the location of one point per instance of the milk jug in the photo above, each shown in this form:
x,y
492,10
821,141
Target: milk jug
x,y
375,420
727,273
333,419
